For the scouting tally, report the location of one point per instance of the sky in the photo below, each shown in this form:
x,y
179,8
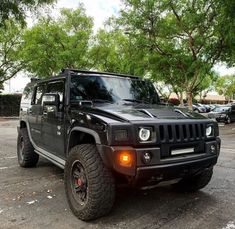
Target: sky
x,y
100,10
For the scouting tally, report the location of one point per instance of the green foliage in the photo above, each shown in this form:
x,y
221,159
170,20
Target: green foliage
x,y
9,105
17,9
51,45
175,42
180,39
225,85
206,84
226,26
10,44
114,51
1,87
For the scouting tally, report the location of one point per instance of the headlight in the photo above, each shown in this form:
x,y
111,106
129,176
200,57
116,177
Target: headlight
x,y
144,134
209,131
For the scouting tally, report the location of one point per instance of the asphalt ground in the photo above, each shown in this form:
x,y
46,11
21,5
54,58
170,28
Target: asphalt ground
x,y
35,198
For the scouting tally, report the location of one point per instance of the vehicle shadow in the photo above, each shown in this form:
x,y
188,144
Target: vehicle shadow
x,y
153,208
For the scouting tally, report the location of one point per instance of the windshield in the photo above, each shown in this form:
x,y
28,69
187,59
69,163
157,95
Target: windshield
x,y
112,89
221,109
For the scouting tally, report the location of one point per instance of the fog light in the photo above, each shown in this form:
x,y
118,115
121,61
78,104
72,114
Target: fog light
x,y
146,157
213,149
125,159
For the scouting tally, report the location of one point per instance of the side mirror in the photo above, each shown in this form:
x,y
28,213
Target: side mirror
x,y
50,99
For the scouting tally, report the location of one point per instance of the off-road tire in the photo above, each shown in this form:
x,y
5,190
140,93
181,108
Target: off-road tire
x,y
26,155
100,182
194,183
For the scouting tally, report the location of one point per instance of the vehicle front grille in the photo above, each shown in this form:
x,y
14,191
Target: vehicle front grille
x,y
180,132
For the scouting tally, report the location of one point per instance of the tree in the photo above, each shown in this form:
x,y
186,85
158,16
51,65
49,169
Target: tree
x,y
114,51
225,85
1,87
206,85
226,26
10,44
51,44
15,9
181,39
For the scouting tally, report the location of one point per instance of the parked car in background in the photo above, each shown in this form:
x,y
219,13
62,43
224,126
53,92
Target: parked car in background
x,y
208,107
213,106
224,113
199,108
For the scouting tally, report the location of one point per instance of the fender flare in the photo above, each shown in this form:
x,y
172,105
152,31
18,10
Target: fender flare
x,y
99,147
84,130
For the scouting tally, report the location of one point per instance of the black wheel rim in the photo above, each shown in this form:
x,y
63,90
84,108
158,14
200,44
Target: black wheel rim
x,y
79,183
21,147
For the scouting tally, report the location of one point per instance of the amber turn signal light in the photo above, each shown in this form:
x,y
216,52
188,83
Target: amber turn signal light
x,y
125,159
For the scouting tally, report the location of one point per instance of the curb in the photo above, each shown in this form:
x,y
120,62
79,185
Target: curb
x,y
2,118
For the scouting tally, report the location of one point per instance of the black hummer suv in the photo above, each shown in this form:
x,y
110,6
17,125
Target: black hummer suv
x,y
104,129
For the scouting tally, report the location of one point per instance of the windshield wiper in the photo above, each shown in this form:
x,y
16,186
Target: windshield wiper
x,y
101,101
135,101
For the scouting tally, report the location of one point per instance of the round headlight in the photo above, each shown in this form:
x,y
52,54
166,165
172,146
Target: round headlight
x,y
144,134
208,131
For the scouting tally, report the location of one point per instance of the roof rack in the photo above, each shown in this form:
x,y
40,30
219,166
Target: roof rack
x,y
68,70
34,79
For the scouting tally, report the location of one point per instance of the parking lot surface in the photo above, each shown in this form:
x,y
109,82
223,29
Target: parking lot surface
x,y
35,197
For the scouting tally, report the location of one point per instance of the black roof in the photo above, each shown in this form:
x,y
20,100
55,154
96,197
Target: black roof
x,y
68,70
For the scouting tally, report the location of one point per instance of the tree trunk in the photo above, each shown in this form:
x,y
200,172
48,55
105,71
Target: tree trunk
x,y
190,100
181,99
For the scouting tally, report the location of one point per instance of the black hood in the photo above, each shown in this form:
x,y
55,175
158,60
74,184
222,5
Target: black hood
x,y
135,112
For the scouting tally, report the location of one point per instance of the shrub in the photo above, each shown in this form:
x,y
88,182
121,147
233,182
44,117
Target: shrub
x,y
174,101
10,104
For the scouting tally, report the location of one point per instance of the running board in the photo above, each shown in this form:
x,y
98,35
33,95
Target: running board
x,y
51,157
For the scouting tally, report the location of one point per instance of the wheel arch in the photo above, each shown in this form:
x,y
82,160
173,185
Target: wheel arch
x,y
22,124
81,135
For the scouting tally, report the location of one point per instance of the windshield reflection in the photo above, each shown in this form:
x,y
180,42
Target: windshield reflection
x,y
112,89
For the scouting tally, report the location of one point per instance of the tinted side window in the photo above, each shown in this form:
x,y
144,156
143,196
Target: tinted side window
x,y
233,108
27,95
40,90
56,88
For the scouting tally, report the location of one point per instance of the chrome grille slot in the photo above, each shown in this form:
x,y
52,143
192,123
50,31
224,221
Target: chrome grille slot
x,y
161,131
177,132
181,132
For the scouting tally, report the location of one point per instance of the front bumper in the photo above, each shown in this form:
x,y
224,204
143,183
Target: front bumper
x,y
163,165
165,172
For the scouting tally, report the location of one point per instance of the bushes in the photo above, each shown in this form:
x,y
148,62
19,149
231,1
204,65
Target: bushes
x,y
10,105
174,101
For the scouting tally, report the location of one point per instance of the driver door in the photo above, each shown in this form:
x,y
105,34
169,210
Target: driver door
x,y
53,120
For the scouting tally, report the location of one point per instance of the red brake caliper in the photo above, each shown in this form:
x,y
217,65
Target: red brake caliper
x,y
79,182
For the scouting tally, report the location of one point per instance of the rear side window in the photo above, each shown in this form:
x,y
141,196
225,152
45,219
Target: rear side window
x,y
40,91
233,107
27,95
